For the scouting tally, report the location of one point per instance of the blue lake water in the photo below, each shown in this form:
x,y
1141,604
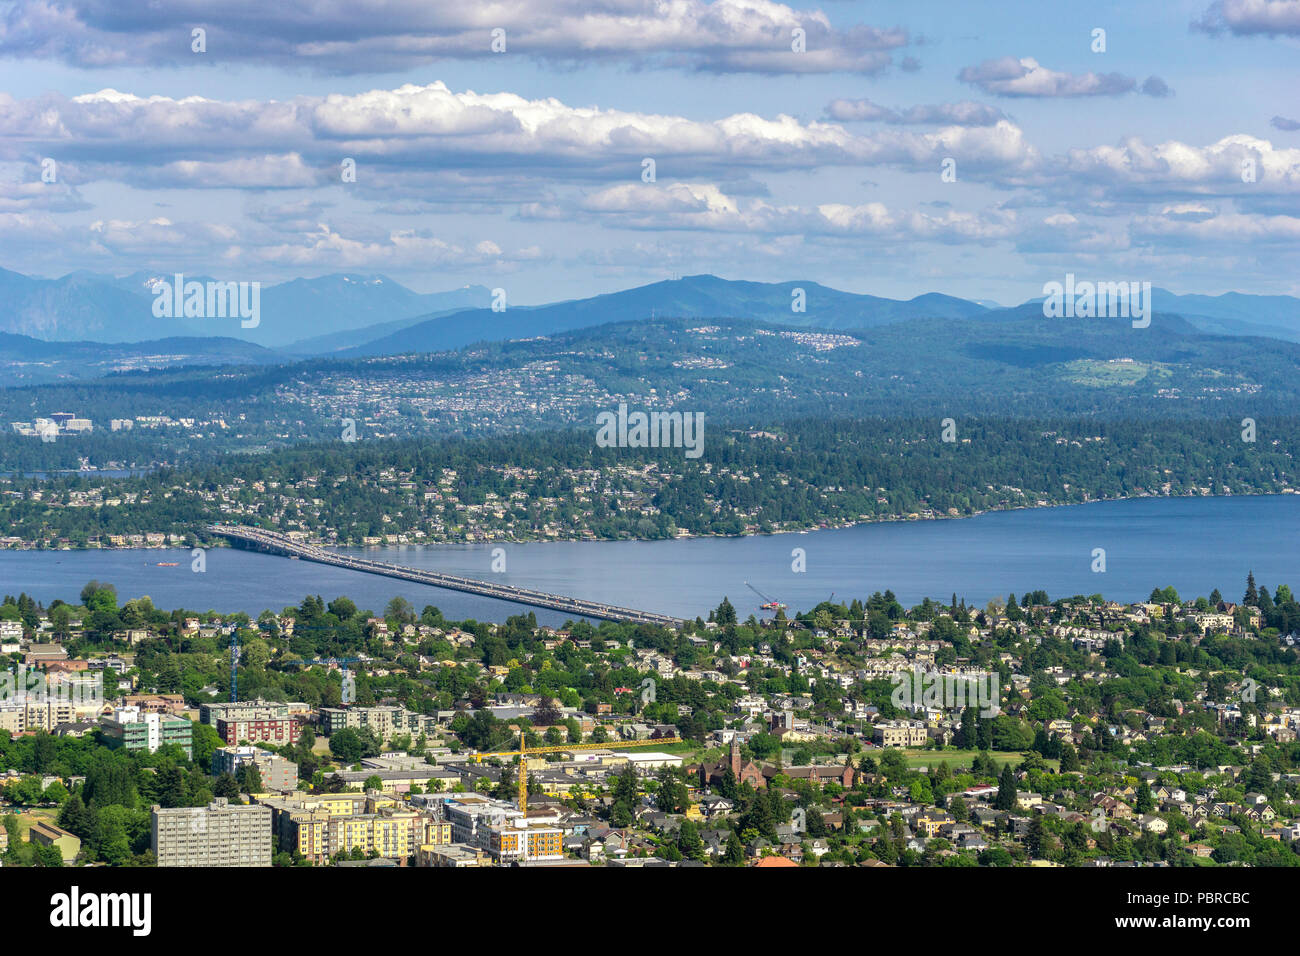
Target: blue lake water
x,y
1195,544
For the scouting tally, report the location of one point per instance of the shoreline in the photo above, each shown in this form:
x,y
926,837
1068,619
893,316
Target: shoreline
x,y
837,526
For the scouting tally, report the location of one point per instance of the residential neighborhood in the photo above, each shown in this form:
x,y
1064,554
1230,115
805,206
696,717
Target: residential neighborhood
x,y
1115,735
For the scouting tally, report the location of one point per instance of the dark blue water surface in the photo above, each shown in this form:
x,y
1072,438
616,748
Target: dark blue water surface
x,y
1194,544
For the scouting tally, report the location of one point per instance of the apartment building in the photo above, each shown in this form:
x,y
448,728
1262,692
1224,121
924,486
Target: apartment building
x,y
318,828
245,710
134,730
220,834
524,842
20,716
256,722
498,828
472,815
385,722
278,773
156,703
901,733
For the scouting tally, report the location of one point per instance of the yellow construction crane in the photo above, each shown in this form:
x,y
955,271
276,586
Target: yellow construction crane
x,y
524,750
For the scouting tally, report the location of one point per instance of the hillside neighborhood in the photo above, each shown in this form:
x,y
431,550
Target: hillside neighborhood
x,y
1161,733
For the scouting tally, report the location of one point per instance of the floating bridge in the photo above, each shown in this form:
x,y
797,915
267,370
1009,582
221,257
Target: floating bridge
x,y
273,542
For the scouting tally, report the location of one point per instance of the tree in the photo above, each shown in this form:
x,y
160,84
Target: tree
x,y
1145,802
735,853
546,712
626,790
725,613
688,841
343,608
671,797
250,778
1069,758
346,745
48,855
205,741
1006,798
1252,594
399,609
226,786
1036,838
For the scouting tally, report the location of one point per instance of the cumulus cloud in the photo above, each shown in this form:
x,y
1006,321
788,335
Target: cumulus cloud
x,y
1251,18
401,135
40,196
965,113
704,207
1166,230
1025,77
1176,167
368,36
326,248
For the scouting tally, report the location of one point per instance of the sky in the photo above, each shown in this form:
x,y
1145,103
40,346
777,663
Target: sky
x,y
975,148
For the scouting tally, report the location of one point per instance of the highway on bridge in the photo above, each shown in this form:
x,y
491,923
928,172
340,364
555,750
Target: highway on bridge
x,y
277,543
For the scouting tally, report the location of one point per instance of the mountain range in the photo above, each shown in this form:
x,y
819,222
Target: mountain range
x,y
85,306
83,324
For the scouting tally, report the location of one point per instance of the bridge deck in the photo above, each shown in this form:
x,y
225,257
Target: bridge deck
x,y
279,543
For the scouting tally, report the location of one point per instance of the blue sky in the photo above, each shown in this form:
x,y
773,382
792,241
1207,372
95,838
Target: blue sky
x,y
523,169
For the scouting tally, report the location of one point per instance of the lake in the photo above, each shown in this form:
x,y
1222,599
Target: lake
x,y
1194,544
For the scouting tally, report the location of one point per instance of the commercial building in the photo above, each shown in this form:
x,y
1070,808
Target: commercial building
x,y
220,834
277,773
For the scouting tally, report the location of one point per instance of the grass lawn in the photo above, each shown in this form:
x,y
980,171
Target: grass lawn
x,y
29,817
955,759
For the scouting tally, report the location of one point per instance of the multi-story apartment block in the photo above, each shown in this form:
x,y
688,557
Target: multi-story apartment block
x,y
256,722
472,815
385,722
318,828
243,710
134,730
220,834
901,733
524,842
20,716
277,773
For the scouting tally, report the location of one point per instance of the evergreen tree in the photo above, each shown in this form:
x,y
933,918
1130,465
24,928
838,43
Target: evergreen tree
x,y
1069,758
725,613
1006,798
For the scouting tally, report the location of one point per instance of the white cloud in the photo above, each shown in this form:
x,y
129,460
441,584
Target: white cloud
x,y
704,207
414,129
1251,17
367,36
965,113
1008,76
1174,167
